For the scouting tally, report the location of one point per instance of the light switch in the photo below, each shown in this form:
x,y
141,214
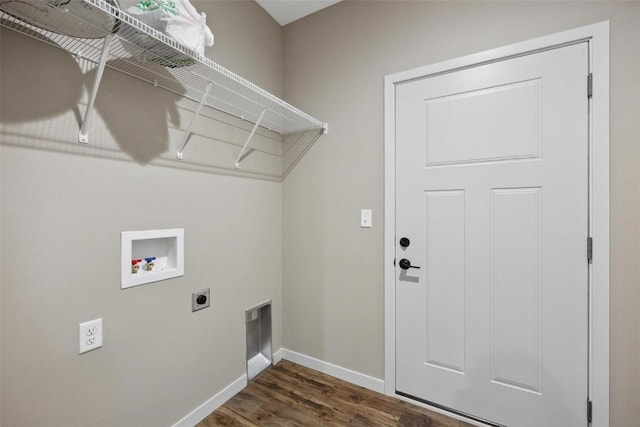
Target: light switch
x,y
365,218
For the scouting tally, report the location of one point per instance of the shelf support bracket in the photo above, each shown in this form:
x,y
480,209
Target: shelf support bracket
x,y
83,135
253,131
185,139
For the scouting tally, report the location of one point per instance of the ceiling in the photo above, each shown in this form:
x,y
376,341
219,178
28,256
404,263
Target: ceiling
x,y
287,11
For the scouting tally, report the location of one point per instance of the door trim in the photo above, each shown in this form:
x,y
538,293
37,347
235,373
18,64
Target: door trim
x,y
598,37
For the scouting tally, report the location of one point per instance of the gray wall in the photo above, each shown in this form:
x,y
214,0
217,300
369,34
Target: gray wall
x,y
64,206
335,61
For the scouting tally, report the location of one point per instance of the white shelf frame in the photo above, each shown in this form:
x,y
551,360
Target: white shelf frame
x,y
205,81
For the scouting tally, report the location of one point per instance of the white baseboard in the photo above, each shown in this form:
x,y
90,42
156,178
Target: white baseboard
x,y
202,411
345,374
277,356
236,387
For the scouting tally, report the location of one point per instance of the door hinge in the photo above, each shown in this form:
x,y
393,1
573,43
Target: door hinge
x,y
590,249
589,411
590,85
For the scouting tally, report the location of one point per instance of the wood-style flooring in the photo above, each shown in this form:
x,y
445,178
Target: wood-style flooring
x,y
291,395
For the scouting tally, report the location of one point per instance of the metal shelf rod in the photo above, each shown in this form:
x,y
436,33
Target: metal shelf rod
x,y
253,131
185,140
83,135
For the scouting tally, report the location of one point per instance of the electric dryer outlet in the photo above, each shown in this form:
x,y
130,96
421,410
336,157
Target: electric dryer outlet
x,y
200,300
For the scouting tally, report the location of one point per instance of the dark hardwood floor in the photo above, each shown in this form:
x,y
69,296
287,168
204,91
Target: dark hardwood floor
x,y
292,395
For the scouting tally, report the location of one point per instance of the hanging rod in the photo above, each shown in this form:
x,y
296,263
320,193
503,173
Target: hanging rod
x,y
253,131
185,139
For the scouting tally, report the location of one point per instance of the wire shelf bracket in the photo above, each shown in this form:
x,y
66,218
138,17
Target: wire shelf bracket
x,y
253,131
185,139
83,135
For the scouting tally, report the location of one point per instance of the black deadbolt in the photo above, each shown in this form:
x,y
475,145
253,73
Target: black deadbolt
x,y
201,299
404,242
405,264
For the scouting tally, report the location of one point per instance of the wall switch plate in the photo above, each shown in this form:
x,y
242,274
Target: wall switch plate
x,y
200,300
90,335
365,218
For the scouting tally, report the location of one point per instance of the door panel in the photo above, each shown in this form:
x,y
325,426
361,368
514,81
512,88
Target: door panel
x,y
516,265
492,190
444,237
483,113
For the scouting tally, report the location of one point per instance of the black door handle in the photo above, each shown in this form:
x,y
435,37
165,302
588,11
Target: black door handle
x,y
405,264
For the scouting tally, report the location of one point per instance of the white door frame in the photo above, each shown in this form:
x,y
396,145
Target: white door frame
x,y
598,37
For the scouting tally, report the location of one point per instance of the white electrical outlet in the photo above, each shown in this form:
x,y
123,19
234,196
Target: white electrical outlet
x,y
90,335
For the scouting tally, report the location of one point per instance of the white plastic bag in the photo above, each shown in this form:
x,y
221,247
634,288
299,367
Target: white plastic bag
x,y
177,19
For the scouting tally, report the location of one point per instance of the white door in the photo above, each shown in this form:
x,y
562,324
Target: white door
x,y
492,194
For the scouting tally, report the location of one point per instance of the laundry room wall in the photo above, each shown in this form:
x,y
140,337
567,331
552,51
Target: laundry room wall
x,y
64,205
335,61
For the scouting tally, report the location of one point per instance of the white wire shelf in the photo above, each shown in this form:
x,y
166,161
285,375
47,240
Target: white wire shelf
x,y
133,48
